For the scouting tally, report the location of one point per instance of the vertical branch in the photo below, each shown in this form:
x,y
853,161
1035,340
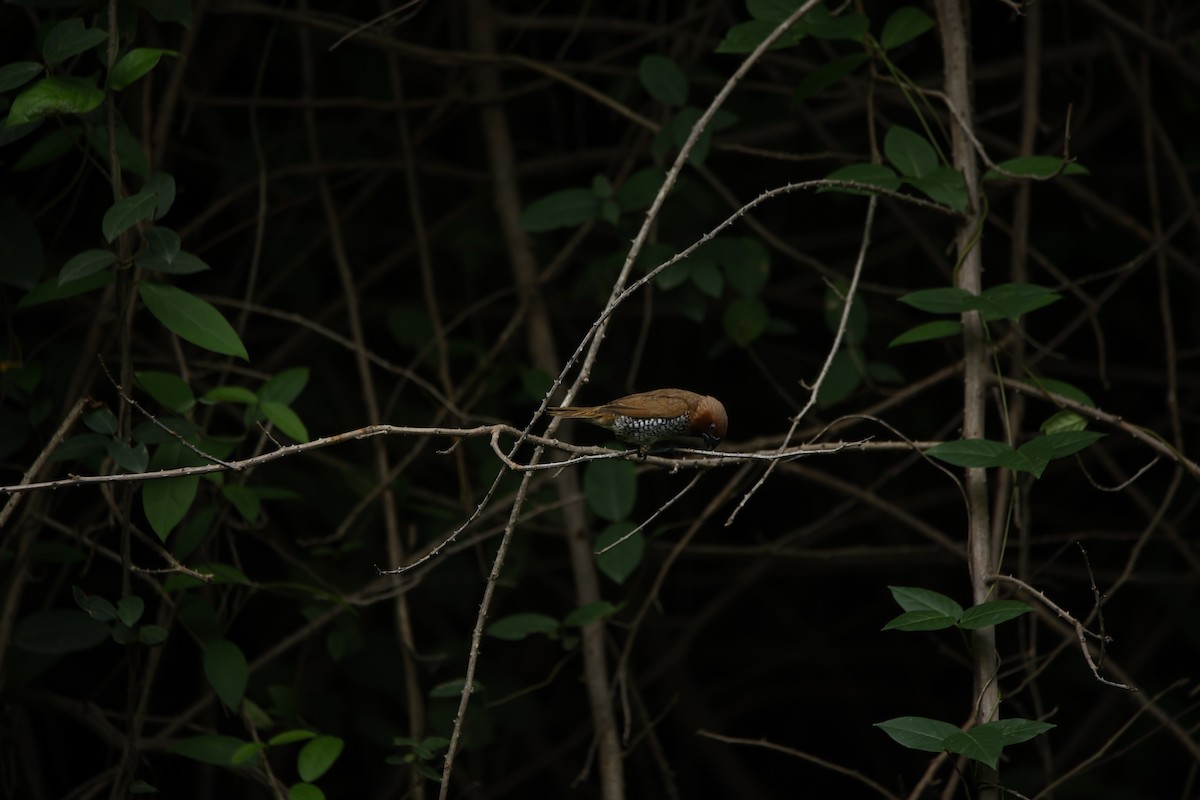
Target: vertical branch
x,y
954,29
540,341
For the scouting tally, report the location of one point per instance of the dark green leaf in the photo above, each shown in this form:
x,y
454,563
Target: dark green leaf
x,y
563,209
184,263
129,609
611,488
129,152
945,300
95,606
227,672
746,262
135,64
639,191
244,499
973,453
246,752
914,598
833,304
663,80
84,264
50,290
1012,300
286,420
101,421
1064,443
919,621
1034,167
826,75
745,320
163,185
980,743
904,25
708,278
869,174
676,274
1065,389
284,387
823,25
590,613
192,319
127,212
771,10
209,748
620,562
131,458
992,613
745,36
1064,422
21,254
51,96
49,147
910,152
291,737
944,185
162,246
515,627
229,394
919,733
70,38
318,756
938,329
1017,730
840,381
18,74
58,632
179,11
454,688
151,635
305,791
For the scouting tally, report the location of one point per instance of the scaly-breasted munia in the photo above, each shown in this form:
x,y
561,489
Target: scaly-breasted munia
x,y
646,417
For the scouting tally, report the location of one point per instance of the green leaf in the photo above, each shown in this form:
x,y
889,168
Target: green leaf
x,y
826,75
944,185
914,598
51,96
1064,422
663,80
1017,730
95,606
590,613
620,562
209,748
980,743
305,791
973,453
50,290
1034,167
563,209
823,25
284,387
135,64
101,421
127,212
84,264
745,320
745,36
745,260
18,74
70,38
1063,444
994,612
1063,388
129,457
227,672
675,275
244,499
708,278
771,10
639,191
59,631
515,627
611,488
318,756
904,25
51,146
129,609
1012,300
246,752
192,319
163,185
944,300
162,247
165,501
834,303
870,174
919,733
919,621
179,11
129,151
151,635
229,394
938,329
286,420
167,389
909,152
840,381
291,737
21,254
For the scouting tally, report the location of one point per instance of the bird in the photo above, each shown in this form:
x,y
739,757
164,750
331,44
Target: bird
x,y
646,417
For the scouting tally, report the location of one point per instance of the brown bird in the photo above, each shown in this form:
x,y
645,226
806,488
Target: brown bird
x,y
647,417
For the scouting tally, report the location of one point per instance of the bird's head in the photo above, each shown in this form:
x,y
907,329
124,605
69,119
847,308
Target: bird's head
x,y
709,422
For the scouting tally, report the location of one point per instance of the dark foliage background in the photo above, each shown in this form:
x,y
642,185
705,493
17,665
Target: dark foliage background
x,y
766,628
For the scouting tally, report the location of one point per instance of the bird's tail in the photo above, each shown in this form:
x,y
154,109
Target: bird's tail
x,y
573,412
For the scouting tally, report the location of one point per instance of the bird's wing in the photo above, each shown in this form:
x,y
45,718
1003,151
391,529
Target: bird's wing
x,y
649,404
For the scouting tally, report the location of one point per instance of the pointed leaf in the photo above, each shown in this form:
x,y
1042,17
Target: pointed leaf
x,y
980,743
826,75
745,320
620,562
1034,167
192,319
914,598
286,420
286,386
318,756
515,627
51,96
209,748
919,733
84,264
127,212
59,631
1017,730
904,25
563,209
938,329
227,672
871,174
920,621
663,80
909,152
129,609
944,185
972,453
590,613
611,488
944,300
135,64
994,612
70,38
18,74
